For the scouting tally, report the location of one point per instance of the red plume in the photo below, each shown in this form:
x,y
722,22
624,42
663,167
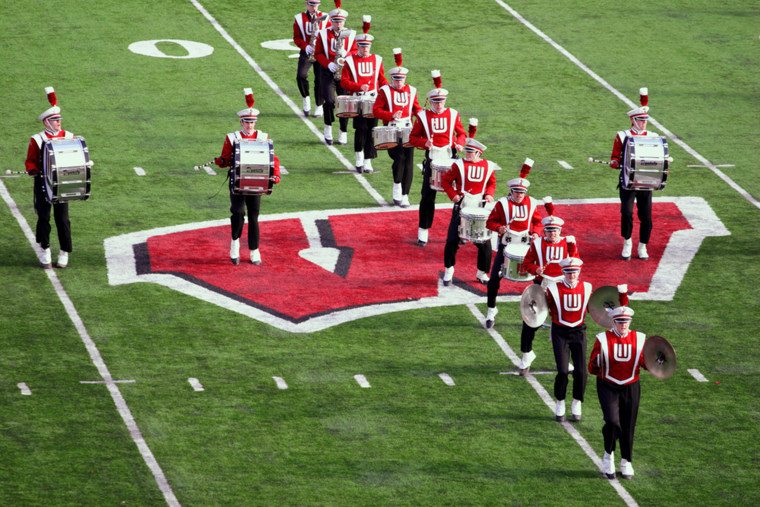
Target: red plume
x,y
643,96
526,167
549,205
337,4
51,96
366,19
397,56
436,75
472,128
248,96
623,294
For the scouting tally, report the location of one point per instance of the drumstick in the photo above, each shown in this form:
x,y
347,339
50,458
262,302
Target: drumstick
x,y
197,167
592,159
8,171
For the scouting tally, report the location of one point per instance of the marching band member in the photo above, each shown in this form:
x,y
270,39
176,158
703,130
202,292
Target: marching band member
x,y
513,215
616,357
362,73
395,105
568,303
325,53
436,129
542,260
643,198
303,27
468,183
51,119
238,202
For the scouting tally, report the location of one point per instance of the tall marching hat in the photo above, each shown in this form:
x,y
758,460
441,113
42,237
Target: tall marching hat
x,y
550,222
398,72
570,264
521,184
248,113
437,94
470,143
364,38
54,113
641,113
338,14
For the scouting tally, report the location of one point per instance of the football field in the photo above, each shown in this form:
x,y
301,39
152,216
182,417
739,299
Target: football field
x,y
152,371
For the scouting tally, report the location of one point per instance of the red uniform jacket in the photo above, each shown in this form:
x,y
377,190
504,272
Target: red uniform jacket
x,y
360,71
324,51
568,306
389,100
302,28
547,255
443,129
517,217
617,359
228,150
33,163
474,178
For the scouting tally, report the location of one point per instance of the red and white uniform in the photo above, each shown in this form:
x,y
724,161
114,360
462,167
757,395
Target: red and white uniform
x,y
359,71
33,161
617,146
568,305
324,51
547,255
228,150
443,129
302,28
389,100
617,359
475,179
517,217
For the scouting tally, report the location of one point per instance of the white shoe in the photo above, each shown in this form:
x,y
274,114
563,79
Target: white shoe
x,y
575,410
397,194
422,237
608,465
627,247
570,368
448,275
626,469
328,134
482,277
342,137
368,166
235,251
63,259
643,255
306,106
255,257
491,316
559,411
527,360
318,112
359,161
405,201
46,261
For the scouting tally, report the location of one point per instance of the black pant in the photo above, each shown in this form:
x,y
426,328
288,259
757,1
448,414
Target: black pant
x,y
452,244
643,200
403,167
620,408
330,90
60,215
495,281
566,342
238,205
302,77
363,136
528,333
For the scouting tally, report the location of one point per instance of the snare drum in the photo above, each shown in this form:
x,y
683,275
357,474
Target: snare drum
x,y
511,236
385,138
366,103
254,167
472,224
347,106
439,166
512,269
66,170
645,163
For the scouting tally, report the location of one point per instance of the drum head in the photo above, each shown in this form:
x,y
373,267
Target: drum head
x,y
603,299
659,357
533,305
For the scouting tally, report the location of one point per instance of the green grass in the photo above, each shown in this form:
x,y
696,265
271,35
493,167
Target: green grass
x,y
410,439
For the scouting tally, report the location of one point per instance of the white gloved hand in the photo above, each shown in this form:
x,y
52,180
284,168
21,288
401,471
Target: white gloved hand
x,y
332,67
309,50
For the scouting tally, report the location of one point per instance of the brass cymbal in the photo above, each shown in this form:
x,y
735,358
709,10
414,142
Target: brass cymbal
x,y
603,299
659,357
533,305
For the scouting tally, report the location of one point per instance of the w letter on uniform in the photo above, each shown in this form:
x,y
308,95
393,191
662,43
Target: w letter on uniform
x,y
572,302
365,69
475,173
622,352
439,125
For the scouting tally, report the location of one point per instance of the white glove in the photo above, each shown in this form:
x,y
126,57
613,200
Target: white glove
x,y
332,67
309,50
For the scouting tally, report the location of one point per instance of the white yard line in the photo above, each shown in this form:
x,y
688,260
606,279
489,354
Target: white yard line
x,y
139,171
295,108
195,384
630,104
697,375
362,381
281,384
447,379
24,389
97,360
549,402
